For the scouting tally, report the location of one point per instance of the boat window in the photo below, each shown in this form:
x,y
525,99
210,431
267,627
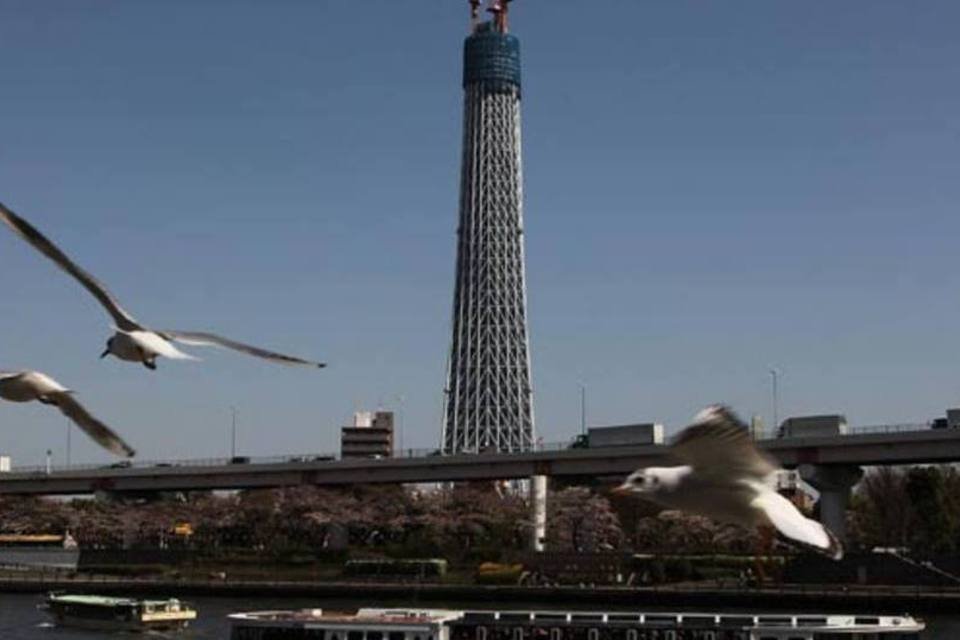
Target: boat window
x,y
357,635
314,634
242,633
775,621
812,621
398,635
478,616
374,635
699,622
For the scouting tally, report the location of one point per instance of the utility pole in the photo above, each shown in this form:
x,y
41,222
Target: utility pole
x,y
233,432
774,375
583,409
400,399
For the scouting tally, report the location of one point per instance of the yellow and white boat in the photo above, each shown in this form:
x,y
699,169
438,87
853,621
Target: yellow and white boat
x,y
118,614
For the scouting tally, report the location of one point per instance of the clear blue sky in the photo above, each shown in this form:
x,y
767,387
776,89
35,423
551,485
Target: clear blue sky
x,y
711,189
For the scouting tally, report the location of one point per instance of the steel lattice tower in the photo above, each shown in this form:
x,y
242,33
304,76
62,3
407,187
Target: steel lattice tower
x,y
488,403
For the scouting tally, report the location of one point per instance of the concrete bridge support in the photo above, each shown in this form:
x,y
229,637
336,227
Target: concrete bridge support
x,y
834,483
538,506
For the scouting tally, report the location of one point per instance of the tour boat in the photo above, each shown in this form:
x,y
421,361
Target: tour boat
x,y
442,624
118,614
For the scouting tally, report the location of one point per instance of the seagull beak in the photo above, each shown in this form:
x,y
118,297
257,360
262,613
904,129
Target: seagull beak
x,y
622,490
105,354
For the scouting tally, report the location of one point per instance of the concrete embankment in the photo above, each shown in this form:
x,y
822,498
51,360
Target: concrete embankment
x,y
781,597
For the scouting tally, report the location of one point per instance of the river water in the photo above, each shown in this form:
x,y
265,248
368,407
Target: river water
x,y
20,619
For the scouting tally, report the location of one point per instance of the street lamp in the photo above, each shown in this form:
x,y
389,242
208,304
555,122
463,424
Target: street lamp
x,y
233,432
400,399
583,409
775,375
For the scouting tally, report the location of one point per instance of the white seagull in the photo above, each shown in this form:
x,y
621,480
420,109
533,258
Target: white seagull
x,y
26,386
132,341
728,479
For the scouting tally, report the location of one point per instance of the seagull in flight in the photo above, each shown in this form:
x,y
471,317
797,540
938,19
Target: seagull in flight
x,y
131,340
726,478
26,386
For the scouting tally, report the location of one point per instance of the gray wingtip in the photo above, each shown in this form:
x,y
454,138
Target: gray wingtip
x,y
708,414
835,550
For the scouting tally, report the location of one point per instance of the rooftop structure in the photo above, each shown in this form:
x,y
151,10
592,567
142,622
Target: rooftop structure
x,y
370,435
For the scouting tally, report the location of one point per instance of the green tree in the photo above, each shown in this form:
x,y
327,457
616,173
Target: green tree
x,y
934,522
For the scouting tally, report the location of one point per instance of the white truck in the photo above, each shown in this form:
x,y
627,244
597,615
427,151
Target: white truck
x,y
813,426
952,421
953,418
626,435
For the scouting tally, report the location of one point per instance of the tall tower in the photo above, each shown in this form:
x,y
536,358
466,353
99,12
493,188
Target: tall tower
x,y
488,403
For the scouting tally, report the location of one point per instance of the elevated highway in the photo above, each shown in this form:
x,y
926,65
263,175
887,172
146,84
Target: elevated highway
x,y
837,452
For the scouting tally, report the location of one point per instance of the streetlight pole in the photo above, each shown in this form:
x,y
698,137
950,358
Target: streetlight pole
x,y
400,399
774,375
233,432
583,409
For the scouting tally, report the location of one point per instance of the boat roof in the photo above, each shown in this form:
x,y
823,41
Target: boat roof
x,y
402,617
794,620
30,537
363,616
106,601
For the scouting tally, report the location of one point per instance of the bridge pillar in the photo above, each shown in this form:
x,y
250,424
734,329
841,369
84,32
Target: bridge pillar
x,y
538,506
834,483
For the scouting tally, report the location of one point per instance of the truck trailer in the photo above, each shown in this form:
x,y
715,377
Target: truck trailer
x,y
813,426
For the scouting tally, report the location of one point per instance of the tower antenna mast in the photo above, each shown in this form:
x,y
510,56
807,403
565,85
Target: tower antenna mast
x,y
474,15
500,9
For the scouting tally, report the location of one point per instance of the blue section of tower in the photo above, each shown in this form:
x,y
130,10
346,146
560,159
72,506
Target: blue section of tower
x,y
492,58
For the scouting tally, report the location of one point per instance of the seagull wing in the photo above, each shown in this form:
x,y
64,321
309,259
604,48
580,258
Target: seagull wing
x,y
790,522
101,433
718,443
212,340
40,242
